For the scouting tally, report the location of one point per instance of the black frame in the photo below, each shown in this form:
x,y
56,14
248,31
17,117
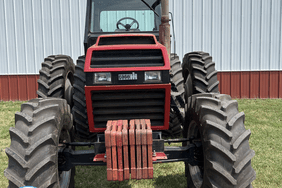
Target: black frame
x,y
74,158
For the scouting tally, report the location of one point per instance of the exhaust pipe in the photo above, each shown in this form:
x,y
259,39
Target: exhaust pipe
x,y
164,32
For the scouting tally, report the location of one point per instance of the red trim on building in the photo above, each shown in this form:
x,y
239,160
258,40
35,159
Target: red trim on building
x,y
245,84
18,87
254,85
249,84
280,85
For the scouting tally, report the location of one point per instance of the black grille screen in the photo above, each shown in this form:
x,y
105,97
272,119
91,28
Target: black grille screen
x,y
128,104
126,40
127,58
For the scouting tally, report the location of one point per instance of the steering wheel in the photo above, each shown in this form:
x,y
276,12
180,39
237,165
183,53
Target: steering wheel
x,y
128,26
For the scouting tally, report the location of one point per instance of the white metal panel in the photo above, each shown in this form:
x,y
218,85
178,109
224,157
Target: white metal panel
x,y
66,26
197,25
39,46
10,36
3,40
216,39
236,38
265,34
275,36
256,34
207,26
19,36
245,60
75,31
226,34
82,13
47,27
29,37
56,26
280,32
241,35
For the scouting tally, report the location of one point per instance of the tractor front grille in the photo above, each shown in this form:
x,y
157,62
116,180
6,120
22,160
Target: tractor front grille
x,y
128,104
127,58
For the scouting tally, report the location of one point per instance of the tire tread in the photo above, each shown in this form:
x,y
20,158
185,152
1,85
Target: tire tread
x,y
79,100
227,153
55,70
201,69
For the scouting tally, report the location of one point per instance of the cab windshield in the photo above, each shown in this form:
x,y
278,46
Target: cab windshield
x,y
124,16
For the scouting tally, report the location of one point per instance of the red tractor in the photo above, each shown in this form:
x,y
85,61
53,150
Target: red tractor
x,y
121,98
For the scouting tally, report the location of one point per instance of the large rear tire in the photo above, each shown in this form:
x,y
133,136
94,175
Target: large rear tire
x,y
199,74
56,78
79,102
39,128
224,152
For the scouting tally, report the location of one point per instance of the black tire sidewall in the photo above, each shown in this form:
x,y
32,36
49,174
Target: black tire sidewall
x,y
45,120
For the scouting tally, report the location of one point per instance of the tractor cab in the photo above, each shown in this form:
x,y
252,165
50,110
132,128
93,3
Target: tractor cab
x,y
121,17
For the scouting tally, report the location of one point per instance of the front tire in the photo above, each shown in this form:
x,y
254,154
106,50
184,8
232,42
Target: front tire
x,y
39,129
177,88
79,103
225,154
175,126
176,74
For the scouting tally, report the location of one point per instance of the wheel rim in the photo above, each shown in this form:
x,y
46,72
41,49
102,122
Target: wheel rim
x,y
188,87
68,93
64,176
196,172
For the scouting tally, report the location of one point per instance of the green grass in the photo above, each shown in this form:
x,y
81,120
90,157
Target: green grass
x,y
7,120
263,117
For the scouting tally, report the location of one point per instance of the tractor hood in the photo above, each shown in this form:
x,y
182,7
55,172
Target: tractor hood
x,y
126,52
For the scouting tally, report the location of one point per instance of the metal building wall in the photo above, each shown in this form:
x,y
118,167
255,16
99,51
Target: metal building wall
x,y
243,36
33,29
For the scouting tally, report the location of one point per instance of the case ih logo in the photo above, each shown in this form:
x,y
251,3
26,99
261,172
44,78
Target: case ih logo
x,y
132,76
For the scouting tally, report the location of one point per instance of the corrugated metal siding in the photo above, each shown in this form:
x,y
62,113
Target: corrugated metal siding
x,y
18,87
241,35
246,84
251,84
33,29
